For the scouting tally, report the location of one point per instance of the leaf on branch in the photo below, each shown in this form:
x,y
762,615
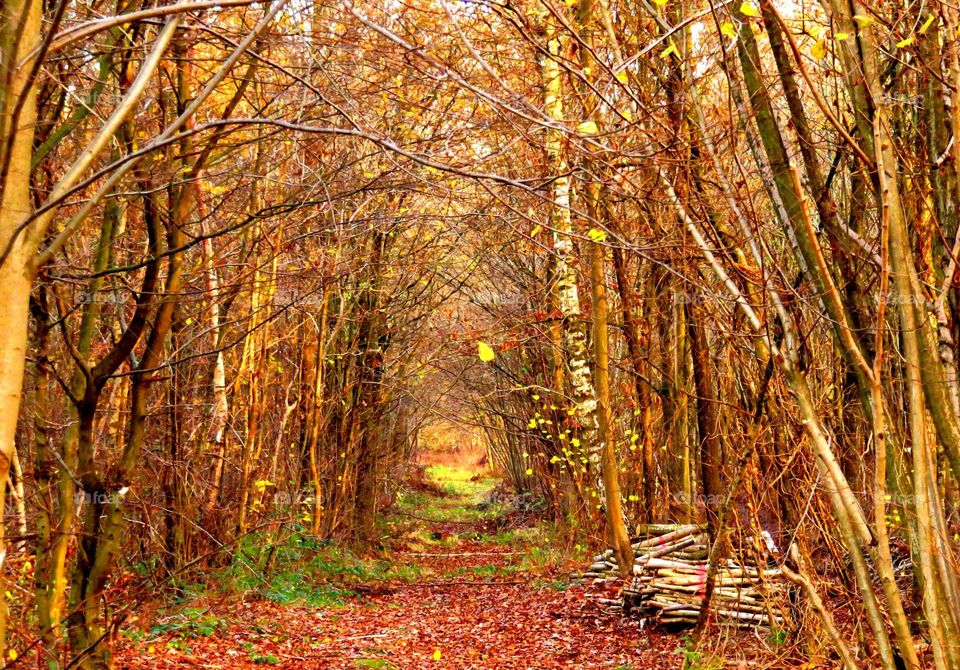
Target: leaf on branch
x,y
902,44
597,236
588,128
863,20
926,25
729,30
819,49
747,9
485,352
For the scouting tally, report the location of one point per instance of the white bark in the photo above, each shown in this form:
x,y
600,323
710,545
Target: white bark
x,y
565,287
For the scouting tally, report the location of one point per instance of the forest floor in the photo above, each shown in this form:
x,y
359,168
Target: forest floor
x,y
463,584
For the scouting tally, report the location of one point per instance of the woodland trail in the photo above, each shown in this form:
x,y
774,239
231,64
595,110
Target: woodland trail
x,y
467,587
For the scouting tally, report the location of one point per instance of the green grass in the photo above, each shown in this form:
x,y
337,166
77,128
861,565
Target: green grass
x,y
189,623
309,572
460,482
464,501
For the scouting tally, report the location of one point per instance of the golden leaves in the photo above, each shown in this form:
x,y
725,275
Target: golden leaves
x,y
485,352
902,44
588,128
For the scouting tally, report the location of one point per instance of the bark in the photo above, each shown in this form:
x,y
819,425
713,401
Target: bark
x,y
372,342
940,614
19,36
565,286
708,420
641,380
609,468
316,416
220,412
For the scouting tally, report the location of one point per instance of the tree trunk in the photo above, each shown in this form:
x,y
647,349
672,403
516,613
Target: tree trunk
x,y
708,421
19,36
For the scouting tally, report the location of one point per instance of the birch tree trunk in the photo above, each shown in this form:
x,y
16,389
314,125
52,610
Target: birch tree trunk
x,y
565,287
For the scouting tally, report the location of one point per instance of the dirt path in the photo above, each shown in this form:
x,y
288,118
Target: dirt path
x,y
455,595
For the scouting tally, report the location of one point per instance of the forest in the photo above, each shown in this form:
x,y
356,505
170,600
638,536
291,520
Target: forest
x,y
479,334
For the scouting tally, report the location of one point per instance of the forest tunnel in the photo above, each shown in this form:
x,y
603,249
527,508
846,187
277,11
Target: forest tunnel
x,y
694,263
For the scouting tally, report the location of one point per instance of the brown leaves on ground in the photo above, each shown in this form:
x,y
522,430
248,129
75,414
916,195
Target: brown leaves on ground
x,y
477,605
515,622
460,622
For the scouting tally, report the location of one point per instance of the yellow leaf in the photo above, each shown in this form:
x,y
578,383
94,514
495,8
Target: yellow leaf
x,y
660,3
532,424
672,49
436,654
536,229
588,128
729,30
819,50
927,24
906,42
622,77
747,9
12,654
529,472
863,20
625,113
841,36
596,235
485,352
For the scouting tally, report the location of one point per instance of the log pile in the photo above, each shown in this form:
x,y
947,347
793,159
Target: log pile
x,y
669,577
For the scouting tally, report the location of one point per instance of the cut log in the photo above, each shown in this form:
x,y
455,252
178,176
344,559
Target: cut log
x,y
669,579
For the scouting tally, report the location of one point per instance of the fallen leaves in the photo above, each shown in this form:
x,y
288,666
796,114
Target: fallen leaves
x,y
477,606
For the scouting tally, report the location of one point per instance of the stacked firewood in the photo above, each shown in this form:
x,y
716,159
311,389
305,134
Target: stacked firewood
x,y
670,571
